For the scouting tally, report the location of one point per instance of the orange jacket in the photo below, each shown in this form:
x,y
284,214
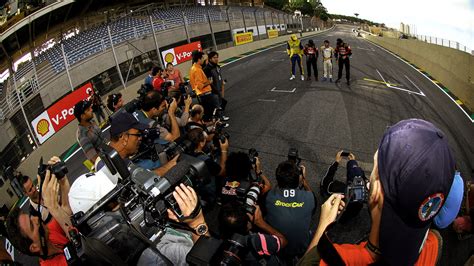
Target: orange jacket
x,y
198,79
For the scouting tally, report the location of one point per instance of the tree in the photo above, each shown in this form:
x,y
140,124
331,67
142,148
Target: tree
x,y
277,4
306,9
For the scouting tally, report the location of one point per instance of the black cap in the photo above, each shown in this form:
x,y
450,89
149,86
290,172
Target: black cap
x,y
123,121
80,108
416,169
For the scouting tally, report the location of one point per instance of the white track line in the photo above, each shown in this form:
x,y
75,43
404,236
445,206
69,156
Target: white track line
x,y
275,90
266,100
441,89
405,90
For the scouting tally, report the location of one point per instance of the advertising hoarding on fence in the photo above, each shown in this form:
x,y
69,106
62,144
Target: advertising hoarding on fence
x,y
59,114
272,34
242,38
180,54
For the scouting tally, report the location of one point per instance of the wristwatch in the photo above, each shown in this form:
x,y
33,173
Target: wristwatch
x,y
201,229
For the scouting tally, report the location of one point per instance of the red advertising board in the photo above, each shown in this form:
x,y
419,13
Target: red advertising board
x,y
180,54
62,112
59,114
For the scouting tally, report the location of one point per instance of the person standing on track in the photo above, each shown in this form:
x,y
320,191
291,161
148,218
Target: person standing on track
x,y
343,52
312,53
295,51
327,53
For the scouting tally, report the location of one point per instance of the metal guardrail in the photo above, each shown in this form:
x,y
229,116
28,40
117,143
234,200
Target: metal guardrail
x,y
444,42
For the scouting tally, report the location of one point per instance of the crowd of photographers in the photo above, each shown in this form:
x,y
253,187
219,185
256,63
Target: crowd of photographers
x,y
167,165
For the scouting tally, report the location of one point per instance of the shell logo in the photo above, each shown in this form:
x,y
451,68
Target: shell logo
x,y
169,58
42,127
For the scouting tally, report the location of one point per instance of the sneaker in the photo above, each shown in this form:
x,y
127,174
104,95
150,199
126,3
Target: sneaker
x,y
225,118
309,78
330,80
302,77
324,79
225,125
292,77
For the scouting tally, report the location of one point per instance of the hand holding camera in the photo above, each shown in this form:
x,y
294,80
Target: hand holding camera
x,y
172,106
188,101
224,144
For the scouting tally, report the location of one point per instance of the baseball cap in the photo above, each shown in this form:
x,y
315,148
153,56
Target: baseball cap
x,y
81,107
88,189
416,169
123,121
452,204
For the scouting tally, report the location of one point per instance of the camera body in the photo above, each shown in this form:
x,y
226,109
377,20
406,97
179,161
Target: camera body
x,y
293,156
248,193
58,169
212,251
356,191
253,154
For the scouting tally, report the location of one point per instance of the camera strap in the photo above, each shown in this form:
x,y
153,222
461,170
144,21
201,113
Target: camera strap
x,y
42,233
328,252
193,214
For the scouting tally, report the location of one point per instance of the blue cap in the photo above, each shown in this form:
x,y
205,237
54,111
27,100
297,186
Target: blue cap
x,y
416,169
451,206
123,121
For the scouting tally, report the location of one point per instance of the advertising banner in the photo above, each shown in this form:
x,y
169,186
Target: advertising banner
x,y
59,114
272,34
180,54
242,38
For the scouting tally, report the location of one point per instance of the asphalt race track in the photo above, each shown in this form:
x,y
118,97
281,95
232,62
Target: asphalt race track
x,y
271,113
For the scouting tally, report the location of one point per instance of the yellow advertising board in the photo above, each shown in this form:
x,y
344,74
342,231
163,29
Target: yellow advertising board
x,y
272,34
242,38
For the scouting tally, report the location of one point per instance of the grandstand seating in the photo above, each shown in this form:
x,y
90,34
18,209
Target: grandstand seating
x,y
95,40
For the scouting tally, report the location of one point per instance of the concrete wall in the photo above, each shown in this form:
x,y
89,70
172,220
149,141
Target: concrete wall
x,y
66,137
453,68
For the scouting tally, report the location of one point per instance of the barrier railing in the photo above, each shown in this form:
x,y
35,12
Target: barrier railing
x,y
444,42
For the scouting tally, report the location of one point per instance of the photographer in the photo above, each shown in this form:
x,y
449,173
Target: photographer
x,y
196,121
330,186
182,115
153,106
31,236
411,178
32,192
290,207
158,80
198,137
88,134
125,138
261,247
114,102
238,171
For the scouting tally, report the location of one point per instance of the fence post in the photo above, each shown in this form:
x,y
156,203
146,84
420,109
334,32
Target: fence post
x,y
212,31
156,43
256,23
265,21
243,19
33,136
230,24
185,23
115,57
273,24
66,66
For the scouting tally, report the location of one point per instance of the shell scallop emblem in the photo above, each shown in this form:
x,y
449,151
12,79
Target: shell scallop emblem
x,y
169,58
42,127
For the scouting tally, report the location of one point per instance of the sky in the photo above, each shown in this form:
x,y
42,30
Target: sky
x,y
448,19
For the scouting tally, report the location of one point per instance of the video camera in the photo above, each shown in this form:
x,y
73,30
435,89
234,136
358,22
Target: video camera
x,y
142,199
